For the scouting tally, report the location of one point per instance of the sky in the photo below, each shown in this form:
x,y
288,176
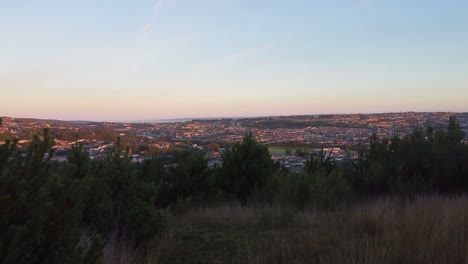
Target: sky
x,y
110,60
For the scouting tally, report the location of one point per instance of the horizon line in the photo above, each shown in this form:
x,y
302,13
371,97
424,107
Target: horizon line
x,y
188,119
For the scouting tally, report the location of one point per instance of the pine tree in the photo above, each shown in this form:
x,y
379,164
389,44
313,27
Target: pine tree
x,y
120,203
40,215
247,166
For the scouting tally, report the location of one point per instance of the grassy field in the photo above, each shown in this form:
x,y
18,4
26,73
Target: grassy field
x,y
427,229
277,150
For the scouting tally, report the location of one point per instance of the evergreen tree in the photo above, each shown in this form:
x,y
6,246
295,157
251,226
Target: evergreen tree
x,y
187,176
424,160
120,203
247,166
40,212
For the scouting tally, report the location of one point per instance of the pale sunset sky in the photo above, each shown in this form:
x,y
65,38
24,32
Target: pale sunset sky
x,y
145,59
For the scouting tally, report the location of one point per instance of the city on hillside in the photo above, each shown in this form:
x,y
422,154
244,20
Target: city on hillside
x,y
291,139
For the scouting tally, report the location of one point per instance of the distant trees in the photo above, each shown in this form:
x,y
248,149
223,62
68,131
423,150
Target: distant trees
x,y
424,160
454,133
46,211
302,152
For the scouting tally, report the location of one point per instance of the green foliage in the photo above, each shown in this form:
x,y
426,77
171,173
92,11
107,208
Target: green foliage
x,y
78,165
119,201
302,152
454,134
276,191
330,189
46,210
296,122
187,176
321,184
247,166
41,213
424,160
322,162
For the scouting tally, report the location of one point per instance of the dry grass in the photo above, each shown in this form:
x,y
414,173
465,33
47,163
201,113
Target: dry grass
x,y
427,229
119,252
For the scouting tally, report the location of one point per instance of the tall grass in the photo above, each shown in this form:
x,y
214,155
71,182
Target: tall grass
x,y
426,229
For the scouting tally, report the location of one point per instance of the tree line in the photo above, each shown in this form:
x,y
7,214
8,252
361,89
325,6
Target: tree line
x,y
46,211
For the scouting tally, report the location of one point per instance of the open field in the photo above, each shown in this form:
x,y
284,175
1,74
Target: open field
x,y
278,150
427,229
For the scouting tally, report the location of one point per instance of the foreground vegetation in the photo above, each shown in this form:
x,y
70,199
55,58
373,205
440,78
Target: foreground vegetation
x,y
112,210
424,229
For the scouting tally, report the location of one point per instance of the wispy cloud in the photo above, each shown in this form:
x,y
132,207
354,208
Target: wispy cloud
x,y
145,32
157,8
238,57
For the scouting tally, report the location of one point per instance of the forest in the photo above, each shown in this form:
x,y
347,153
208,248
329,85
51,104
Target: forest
x,y
401,198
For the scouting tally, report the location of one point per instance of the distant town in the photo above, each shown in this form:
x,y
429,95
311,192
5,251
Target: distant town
x,y
291,139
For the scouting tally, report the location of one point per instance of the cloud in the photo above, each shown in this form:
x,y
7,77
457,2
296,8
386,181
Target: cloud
x,y
158,7
145,32
239,56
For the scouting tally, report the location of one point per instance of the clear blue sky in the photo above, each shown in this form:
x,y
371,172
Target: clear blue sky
x,y
137,60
